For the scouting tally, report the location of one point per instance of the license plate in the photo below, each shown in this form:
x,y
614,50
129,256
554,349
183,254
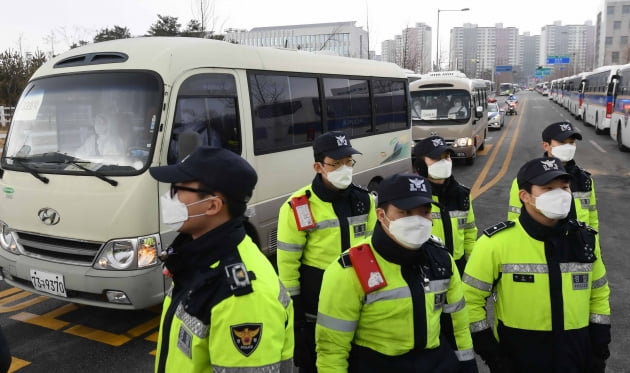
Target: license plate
x,y
51,283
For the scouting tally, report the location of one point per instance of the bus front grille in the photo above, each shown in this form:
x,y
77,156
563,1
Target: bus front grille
x,y
59,249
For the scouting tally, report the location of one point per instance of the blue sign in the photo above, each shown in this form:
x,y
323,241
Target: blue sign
x,y
552,60
504,68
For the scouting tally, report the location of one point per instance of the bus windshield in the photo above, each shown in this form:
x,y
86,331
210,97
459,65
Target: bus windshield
x,y
440,106
101,121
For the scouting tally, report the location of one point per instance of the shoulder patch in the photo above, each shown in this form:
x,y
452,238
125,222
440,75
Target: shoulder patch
x,y
498,227
246,337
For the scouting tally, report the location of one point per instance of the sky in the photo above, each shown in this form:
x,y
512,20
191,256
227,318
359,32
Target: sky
x,y
53,25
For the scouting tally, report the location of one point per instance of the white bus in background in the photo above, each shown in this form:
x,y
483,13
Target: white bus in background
x,y
465,130
619,130
599,93
553,89
85,228
574,96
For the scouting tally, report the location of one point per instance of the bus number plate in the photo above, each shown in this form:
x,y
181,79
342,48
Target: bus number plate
x,y
51,283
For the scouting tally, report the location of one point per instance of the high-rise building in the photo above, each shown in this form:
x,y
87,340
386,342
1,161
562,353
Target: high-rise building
x,y
411,49
529,52
339,38
612,31
476,51
572,41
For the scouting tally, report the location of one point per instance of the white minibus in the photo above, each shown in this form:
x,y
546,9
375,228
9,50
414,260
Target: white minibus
x,y
453,106
79,218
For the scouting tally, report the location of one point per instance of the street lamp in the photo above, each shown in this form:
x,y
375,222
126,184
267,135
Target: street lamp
x,y
437,54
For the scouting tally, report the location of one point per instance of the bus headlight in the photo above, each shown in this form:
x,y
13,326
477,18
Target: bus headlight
x,y
128,254
463,141
7,240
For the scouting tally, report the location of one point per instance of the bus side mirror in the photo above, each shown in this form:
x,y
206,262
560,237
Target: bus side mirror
x,y
479,112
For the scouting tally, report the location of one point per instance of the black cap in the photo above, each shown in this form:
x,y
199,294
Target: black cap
x,y
217,168
405,191
560,131
541,171
334,144
432,147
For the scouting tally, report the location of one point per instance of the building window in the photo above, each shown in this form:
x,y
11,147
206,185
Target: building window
x,y
610,10
626,9
609,40
617,25
615,57
623,40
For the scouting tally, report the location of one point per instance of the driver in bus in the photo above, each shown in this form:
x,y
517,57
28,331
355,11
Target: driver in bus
x,y
458,109
106,139
417,109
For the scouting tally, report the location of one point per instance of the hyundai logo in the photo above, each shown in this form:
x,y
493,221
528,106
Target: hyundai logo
x,y
48,216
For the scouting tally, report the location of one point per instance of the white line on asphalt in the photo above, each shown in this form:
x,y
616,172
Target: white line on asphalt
x,y
597,146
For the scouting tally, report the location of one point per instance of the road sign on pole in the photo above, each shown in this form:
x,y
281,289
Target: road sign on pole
x,y
552,60
503,68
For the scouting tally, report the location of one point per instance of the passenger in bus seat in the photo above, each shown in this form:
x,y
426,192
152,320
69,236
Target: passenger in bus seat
x,y
108,138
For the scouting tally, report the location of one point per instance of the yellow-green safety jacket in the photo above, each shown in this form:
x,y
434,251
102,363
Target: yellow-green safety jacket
x,y
237,317
383,320
584,201
456,202
343,219
547,293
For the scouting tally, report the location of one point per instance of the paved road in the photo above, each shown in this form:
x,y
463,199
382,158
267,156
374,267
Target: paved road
x,y
52,336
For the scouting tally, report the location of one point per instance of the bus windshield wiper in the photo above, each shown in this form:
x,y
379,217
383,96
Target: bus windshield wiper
x,y
22,161
61,158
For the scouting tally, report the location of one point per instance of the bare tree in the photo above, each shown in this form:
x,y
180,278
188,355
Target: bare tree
x,y
331,37
75,37
51,39
204,11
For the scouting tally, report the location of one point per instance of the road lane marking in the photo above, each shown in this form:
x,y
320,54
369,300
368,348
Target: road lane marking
x,y
477,188
10,296
98,335
596,145
17,364
486,149
48,320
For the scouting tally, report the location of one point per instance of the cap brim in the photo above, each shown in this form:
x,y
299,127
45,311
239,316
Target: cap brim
x,y
547,177
411,202
437,152
565,135
170,174
342,153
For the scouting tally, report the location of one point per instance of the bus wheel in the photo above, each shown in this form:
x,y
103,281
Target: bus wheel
x,y
620,144
597,129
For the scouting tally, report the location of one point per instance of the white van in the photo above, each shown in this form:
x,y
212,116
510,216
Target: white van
x,y
434,111
79,214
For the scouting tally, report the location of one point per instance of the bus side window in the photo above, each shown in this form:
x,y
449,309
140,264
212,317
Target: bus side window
x,y
207,105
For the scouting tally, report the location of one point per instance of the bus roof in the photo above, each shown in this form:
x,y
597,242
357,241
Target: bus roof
x,y
170,55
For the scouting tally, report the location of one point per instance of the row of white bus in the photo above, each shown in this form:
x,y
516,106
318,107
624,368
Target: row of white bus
x,y
600,98
84,226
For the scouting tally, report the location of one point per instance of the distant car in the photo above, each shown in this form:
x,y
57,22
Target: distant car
x,y
530,89
496,116
492,99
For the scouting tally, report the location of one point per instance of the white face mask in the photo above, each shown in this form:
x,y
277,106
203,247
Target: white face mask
x,y
340,178
554,204
564,152
411,231
441,169
174,212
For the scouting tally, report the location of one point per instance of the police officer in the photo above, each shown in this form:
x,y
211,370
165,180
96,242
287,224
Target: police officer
x,y
455,222
316,224
559,140
546,274
227,309
381,301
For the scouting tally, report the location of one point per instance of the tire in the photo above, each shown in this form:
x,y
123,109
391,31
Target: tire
x,y
598,131
483,144
620,145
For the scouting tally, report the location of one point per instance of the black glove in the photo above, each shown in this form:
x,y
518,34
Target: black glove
x,y
468,366
304,351
598,365
488,348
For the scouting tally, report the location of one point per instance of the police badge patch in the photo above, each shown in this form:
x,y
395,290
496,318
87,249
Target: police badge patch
x,y
580,281
246,337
